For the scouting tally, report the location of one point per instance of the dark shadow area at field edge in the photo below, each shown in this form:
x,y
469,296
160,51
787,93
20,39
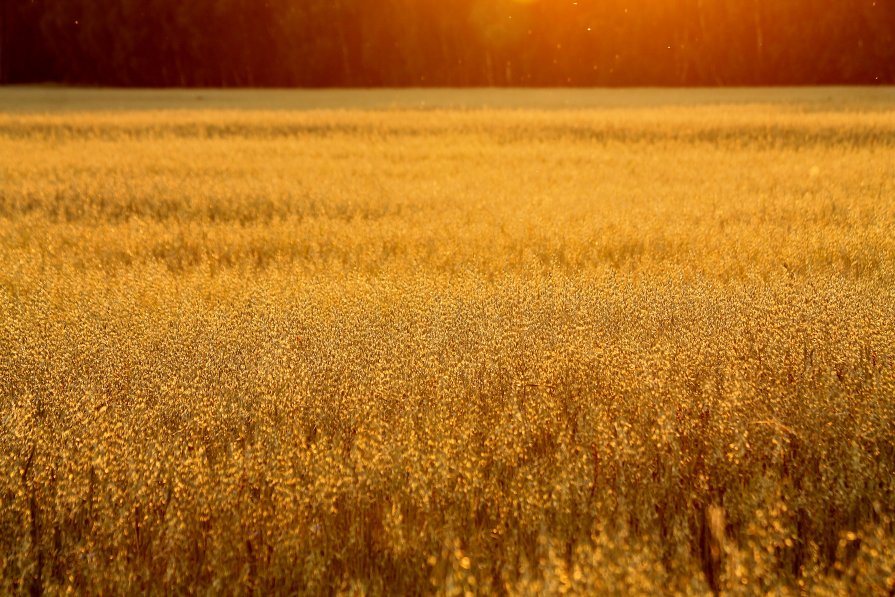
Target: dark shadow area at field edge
x,y
52,98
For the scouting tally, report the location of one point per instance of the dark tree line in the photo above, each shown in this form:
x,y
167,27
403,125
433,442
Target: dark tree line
x,y
447,42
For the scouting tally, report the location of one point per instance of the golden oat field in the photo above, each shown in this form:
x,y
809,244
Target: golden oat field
x,y
442,342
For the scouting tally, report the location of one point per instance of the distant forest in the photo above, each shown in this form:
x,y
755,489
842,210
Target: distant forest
x,y
447,42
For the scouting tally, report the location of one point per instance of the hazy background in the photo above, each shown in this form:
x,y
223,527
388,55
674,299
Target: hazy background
x,y
447,43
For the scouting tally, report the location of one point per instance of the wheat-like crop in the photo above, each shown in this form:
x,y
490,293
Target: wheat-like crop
x,y
491,350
